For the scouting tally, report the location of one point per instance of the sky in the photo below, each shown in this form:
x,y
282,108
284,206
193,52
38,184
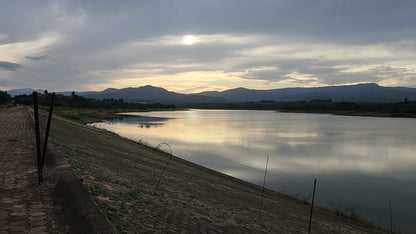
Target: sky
x,y
200,45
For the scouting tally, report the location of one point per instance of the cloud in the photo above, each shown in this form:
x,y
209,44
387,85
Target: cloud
x,y
258,73
10,66
36,58
261,44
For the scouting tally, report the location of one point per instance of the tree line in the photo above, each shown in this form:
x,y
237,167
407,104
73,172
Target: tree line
x,y
76,101
398,109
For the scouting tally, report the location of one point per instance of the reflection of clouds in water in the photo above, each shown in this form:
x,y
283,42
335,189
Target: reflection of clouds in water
x,y
313,144
296,135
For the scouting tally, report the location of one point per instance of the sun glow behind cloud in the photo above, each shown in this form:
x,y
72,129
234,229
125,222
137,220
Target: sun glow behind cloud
x,y
189,40
86,48
256,61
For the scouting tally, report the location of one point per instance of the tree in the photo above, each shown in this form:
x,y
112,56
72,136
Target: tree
x,y
4,97
23,99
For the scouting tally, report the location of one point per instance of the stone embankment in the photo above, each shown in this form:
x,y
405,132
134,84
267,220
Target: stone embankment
x,y
60,205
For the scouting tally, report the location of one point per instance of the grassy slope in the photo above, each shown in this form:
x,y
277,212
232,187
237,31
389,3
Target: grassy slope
x,y
122,176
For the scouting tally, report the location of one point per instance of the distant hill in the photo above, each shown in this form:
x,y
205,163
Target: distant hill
x,y
151,94
25,91
28,91
370,92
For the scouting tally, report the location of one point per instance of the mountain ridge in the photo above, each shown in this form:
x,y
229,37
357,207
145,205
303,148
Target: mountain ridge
x,y
364,92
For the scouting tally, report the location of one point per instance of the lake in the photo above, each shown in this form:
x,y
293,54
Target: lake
x,y
359,162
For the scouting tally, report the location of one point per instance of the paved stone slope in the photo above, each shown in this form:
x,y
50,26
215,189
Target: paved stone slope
x,y
25,207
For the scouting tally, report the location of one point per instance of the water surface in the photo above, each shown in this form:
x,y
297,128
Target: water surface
x,y
359,162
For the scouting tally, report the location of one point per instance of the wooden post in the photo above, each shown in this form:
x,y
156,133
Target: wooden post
x,y
313,201
391,217
47,129
264,184
37,133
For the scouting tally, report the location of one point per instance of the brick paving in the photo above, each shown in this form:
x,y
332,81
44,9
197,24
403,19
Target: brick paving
x,y
25,207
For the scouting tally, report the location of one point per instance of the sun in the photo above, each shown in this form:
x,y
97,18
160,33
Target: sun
x,y
189,40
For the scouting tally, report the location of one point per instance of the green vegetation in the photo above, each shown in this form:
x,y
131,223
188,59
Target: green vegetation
x,y
97,190
399,109
88,110
349,212
87,115
75,101
4,98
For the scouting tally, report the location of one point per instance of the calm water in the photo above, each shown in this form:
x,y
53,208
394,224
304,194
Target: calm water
x,y
359,162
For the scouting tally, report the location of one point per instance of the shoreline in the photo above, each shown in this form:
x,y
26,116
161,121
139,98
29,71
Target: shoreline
x,y
85,116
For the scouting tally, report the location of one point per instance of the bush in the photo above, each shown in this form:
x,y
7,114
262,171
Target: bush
x,y
4,98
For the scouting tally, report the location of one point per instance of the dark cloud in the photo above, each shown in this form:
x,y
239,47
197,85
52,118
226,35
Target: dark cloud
x,y
363,21
36,58
10,66
261,40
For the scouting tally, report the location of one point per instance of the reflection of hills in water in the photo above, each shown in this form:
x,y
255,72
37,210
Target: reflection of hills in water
x,y
142,121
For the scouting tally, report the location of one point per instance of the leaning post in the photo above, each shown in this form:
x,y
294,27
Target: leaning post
x,y
313,201
391,217
37,133
48,126
264,184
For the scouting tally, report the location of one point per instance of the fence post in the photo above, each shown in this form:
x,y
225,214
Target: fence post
x,y
391,217
264,184
313,201
37,133
47,129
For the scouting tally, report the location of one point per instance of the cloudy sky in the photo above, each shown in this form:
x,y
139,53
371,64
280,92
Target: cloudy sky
x,y
191,46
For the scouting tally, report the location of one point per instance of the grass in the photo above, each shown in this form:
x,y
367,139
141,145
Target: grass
x,y
84,116
97,190
349,212
134,194
7,104
89,115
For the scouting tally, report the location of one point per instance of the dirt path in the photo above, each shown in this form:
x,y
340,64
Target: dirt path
x,y
122,176
25,207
